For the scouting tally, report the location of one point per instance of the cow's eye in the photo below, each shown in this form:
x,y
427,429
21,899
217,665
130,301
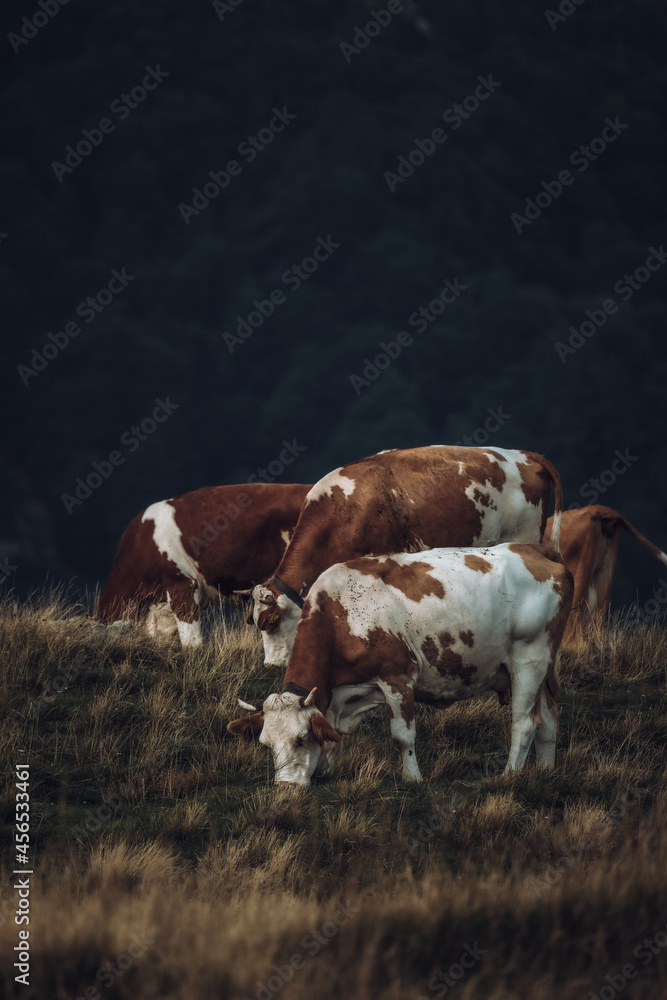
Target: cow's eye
x,y
299,741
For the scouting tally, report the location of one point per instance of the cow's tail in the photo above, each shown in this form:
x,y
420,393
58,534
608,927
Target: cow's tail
x,y
662,556
558,500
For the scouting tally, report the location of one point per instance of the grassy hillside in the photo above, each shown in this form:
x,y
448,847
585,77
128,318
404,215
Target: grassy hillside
x,y
167,864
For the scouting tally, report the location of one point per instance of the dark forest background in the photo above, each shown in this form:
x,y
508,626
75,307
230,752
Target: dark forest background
x,y
324,176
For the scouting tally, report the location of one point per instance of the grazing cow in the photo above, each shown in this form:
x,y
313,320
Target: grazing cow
x,y
589,540
179,554
404,501
438,627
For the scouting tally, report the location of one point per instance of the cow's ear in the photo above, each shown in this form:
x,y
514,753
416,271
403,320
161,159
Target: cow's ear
x,y
268,620
248,728
323,730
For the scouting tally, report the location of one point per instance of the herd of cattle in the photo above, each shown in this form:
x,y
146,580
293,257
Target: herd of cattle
x,y
415,575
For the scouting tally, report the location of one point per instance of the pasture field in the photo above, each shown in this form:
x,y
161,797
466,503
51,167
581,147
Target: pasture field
x,y
167,864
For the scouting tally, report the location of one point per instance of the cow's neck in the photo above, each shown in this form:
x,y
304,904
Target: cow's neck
x,y
298,572
308,669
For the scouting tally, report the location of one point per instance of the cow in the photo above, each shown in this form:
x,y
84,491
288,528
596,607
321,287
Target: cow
x,y
404,501
589,539
179,554
436,626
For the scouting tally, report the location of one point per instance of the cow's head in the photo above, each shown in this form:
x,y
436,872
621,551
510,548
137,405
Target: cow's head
x,y
295,731
277,617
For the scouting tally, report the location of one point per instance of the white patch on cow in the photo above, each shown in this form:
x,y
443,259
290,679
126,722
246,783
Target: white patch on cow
x,y
327,483
285,535
161,621
592,599
402,733
288,734
279,641
189,633
168,539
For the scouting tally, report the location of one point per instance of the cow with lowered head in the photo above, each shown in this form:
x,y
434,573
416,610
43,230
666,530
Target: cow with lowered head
x,y
438,627
179,555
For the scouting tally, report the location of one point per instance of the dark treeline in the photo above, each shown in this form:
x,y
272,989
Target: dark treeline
x,y
504,163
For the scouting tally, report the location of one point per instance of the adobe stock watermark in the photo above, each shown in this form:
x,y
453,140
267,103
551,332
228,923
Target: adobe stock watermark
x,y
652,606
446,979
581,157
592,489
364,35
94,137
553,873
312,944
229,512
438,821
136,780
131,439
625,287
420,319
109,972
221,8
454,116
565,9
6,569
494,421
292,278
31,26
248,148
646,951
88,309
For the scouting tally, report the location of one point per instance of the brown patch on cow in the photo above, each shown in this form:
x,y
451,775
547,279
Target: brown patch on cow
x,y
483,498
322,729
444,659
478,564
248,728
467,638
325,649
413,579
535,480
268,620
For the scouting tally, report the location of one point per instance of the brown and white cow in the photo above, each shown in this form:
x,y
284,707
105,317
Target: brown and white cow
x,y
404,501
589,539
179,554
438,626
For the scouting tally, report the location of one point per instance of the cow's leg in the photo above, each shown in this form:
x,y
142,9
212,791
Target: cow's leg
x,y
183,601
547,728
189,633
528,671
401,705
160,621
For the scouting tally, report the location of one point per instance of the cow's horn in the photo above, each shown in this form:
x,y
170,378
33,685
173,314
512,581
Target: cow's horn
x,y
244,593
310,699
246,704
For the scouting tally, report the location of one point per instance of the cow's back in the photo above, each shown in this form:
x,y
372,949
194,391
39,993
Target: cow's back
x,y
452,615
413,499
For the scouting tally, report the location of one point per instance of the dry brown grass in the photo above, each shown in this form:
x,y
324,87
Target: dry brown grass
x,y
147,819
